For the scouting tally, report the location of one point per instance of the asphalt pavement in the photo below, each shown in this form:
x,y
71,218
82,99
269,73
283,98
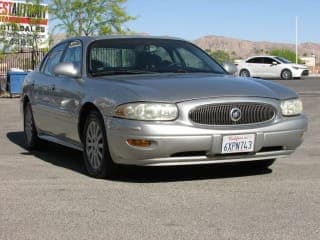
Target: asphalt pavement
x,y
47,195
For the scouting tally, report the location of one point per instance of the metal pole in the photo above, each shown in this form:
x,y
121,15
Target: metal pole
x,y
296,39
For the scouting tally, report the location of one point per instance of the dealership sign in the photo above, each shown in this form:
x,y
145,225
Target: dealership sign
x,y
22,23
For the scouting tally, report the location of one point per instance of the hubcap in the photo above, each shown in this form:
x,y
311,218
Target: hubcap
x,y
28,125
286,74
244,74
94,145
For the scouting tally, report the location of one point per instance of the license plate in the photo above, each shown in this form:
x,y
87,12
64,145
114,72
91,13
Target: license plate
x,y
238,143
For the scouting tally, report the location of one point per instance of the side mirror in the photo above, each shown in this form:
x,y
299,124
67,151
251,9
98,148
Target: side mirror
x,y
67,69
230,67
274,63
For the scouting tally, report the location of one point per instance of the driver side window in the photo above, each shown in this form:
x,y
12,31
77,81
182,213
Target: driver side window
x,y
73,54
53,59
268,60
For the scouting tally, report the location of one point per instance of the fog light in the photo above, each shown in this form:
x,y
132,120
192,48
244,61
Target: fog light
x,y
139,142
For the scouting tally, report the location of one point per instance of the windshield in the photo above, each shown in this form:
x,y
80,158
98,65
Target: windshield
x,y
140,56
283,60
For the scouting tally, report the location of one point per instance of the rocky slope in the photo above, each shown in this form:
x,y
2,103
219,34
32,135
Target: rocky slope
x,y
245,48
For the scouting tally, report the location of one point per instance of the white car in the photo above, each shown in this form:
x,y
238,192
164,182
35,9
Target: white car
x,y
271,67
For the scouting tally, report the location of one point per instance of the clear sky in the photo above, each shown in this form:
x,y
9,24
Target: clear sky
x,y
256,20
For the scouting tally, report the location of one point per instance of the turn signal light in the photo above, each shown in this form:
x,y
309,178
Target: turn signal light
x,y
139,142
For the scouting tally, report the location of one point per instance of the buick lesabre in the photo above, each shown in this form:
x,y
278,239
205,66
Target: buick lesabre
x,y
155,101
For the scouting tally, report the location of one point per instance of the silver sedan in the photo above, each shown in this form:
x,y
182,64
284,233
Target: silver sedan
x,y
155,102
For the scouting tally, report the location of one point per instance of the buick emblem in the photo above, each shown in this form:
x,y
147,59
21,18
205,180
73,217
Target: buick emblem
x,y
235,114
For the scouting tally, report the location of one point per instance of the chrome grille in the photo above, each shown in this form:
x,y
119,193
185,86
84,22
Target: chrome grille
x,y
219,114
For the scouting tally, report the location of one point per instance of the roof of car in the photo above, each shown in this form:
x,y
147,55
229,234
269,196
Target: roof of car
x,y
262,56
93,38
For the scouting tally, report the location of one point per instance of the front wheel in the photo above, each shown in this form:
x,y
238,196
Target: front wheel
x,y
286,74
96,152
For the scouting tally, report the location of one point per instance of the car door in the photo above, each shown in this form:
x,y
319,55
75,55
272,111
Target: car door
x,y
254,66
44,83
67,96
271,67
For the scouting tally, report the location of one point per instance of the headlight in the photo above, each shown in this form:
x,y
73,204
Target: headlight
x,y
297,67
147,111
291,107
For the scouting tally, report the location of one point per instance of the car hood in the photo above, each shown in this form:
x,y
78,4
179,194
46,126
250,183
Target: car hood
x,y
300,66
297,65
188,86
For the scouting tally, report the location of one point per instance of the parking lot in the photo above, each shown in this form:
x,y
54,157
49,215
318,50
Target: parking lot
x,y
47,195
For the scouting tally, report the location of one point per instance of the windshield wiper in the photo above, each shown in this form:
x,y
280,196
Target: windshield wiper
x,y
183,70
121,71
179,70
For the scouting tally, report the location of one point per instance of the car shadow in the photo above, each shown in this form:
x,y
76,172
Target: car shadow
x,y
72,159
52,153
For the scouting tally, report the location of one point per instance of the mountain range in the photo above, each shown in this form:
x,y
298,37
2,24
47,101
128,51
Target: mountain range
x,y
241,49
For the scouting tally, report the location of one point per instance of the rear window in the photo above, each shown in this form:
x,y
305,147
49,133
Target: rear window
x,y
258,60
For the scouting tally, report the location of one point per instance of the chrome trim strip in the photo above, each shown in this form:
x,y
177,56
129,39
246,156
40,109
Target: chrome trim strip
x,y
196,160
61,142
220,114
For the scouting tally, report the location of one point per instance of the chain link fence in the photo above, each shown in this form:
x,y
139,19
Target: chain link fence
x,y
25,61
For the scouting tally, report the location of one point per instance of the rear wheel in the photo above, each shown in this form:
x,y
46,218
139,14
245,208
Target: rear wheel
x,y
286,74
96,152
30,131
244,73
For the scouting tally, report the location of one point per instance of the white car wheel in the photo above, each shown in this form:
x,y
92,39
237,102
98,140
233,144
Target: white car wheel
x,y
286,74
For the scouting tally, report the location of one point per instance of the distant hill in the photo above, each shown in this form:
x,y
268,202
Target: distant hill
x,y
238,48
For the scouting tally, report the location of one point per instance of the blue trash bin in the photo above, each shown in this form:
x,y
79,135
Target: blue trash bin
x,y
15,80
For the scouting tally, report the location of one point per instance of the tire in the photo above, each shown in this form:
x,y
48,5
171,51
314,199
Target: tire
x,y
244,73
97,158
29,128
286,74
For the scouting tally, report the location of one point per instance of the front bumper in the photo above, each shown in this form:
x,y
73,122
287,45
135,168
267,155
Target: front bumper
x,y
175,143
300,73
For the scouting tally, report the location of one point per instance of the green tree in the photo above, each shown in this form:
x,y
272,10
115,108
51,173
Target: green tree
x,y
90,17
220,56
285,53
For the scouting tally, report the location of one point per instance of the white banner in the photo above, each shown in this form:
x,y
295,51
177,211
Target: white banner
x,y
21,23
